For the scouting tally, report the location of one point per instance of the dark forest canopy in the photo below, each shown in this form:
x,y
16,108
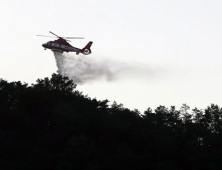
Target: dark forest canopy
x,y
51,125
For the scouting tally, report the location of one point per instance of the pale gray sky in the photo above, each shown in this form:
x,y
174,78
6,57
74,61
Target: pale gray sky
x,y
178,42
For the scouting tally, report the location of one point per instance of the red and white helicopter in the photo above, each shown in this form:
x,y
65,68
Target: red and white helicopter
x,y
61,45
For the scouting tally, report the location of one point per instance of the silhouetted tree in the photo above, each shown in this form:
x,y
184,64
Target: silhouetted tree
x,y
51,125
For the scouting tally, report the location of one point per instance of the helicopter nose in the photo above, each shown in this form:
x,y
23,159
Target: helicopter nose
x,y
43,45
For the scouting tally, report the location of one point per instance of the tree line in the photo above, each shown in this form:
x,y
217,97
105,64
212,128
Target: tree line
x,y
51,125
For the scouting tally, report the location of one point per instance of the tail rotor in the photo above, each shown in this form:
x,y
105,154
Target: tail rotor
x,y
86,50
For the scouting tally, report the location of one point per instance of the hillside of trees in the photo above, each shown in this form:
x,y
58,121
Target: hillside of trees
x,y
51,125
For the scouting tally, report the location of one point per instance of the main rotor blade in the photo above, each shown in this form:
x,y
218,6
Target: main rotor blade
x,y
54,34
46,36
73,37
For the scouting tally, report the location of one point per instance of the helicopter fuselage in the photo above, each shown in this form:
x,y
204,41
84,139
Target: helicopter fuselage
x,y
62,45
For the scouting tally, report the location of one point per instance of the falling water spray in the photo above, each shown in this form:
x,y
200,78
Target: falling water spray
x,y
82,69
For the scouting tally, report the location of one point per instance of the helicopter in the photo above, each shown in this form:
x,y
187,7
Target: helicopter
x,y
61,45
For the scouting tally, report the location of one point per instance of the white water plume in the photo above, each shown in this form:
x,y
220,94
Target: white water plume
x,y
82,69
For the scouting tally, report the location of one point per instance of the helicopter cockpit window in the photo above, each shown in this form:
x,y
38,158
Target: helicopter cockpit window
x,y
55,44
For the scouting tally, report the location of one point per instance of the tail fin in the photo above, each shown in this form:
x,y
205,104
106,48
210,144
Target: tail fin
x,y
86,50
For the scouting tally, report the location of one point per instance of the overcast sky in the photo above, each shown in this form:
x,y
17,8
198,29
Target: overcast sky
x,y
172,47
